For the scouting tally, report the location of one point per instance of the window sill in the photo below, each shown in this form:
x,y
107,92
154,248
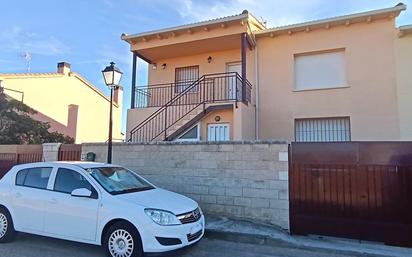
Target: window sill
x,y
319,89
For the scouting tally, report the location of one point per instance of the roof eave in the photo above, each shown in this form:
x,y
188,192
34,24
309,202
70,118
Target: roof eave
x,y
392,10
404,30
239,17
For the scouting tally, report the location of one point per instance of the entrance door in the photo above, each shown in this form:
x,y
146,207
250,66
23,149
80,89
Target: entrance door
x,y
218,132
233,81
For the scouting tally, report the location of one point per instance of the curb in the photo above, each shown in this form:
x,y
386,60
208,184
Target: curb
x,y
238,237
245,238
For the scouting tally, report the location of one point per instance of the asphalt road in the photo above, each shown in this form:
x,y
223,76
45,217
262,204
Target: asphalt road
x,y
35,246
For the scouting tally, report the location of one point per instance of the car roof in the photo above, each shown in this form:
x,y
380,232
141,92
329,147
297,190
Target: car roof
x,y
81,164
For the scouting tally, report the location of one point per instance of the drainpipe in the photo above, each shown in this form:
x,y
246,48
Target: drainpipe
x,y
243,44
257,108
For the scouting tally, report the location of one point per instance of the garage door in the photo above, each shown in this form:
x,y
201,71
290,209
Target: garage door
x,y
360,190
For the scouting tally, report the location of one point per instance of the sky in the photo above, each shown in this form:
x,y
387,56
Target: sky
x,y
86,33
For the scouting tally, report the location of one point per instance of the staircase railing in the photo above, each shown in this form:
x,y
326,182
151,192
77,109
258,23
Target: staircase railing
x,y
211,88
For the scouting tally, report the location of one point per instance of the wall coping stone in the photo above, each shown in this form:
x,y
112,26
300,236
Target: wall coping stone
x,y
243,142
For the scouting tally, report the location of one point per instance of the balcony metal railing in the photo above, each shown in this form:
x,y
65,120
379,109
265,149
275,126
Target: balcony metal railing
x,y
219,87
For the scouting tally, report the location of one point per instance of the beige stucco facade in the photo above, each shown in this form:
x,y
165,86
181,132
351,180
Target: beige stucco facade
x,y
403,50
369,98
375,97
68,102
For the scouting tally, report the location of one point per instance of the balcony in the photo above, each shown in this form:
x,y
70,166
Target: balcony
x,y
210,88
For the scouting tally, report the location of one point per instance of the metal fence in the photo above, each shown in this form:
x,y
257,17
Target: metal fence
x,y
70,152
8,160
19,154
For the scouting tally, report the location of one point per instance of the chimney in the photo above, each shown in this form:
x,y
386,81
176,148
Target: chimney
x,y
72,120
63,68
118,95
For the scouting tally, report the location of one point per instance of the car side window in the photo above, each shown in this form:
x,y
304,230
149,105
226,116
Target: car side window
x,y
21,176
34,177
68,180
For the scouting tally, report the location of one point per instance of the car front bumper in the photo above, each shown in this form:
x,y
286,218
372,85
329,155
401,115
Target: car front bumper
x,y
188,234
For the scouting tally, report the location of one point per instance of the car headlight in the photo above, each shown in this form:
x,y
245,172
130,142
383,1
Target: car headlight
x,y
161,217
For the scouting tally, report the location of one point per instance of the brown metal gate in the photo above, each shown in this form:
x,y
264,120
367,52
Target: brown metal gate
x,y
360,190
24,154
70,152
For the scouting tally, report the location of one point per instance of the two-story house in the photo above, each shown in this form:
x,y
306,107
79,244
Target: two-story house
x,y
68,102
232,78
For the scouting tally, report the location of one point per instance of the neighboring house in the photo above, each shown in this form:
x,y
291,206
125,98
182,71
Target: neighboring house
x,y
234,79
71,104
404,79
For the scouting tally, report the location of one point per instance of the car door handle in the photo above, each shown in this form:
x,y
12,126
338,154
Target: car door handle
x,y
53,201
17,195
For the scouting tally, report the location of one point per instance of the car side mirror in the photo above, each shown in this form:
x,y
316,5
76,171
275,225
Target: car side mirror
x,y
81,192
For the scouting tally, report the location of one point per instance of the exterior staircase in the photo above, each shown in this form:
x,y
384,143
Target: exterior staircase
x,y
185,120
192,103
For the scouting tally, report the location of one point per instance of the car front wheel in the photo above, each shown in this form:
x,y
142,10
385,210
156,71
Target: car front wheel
x,y
6,226
123,240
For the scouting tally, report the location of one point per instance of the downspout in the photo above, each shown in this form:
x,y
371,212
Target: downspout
x,y
243,45
257,108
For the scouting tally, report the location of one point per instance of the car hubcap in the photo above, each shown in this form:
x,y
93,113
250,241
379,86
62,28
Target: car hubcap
x,y
121,243
3,225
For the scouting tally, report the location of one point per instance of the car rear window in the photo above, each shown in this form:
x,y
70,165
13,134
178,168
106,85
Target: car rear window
x,y
21,176
68,180
34,177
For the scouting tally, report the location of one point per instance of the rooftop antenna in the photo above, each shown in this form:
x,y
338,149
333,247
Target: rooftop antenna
x,y
265,22
27,57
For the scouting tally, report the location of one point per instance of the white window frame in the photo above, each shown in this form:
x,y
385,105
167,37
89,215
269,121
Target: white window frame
x,y
218,124
178,139
342,84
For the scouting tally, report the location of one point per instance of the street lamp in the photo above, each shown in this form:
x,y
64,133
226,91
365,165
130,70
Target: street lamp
x,y
112,76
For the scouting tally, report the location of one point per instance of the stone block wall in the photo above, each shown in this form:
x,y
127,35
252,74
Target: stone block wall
x,y
245,180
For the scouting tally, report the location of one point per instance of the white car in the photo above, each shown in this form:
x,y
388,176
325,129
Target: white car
x,y
99,204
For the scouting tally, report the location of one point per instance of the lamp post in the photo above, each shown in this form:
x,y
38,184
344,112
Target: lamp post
x,y
112,76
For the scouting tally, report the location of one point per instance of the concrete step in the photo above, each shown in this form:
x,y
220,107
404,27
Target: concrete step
x,y
193,114
172,130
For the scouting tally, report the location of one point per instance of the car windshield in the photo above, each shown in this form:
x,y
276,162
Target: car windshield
x,y
118,180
